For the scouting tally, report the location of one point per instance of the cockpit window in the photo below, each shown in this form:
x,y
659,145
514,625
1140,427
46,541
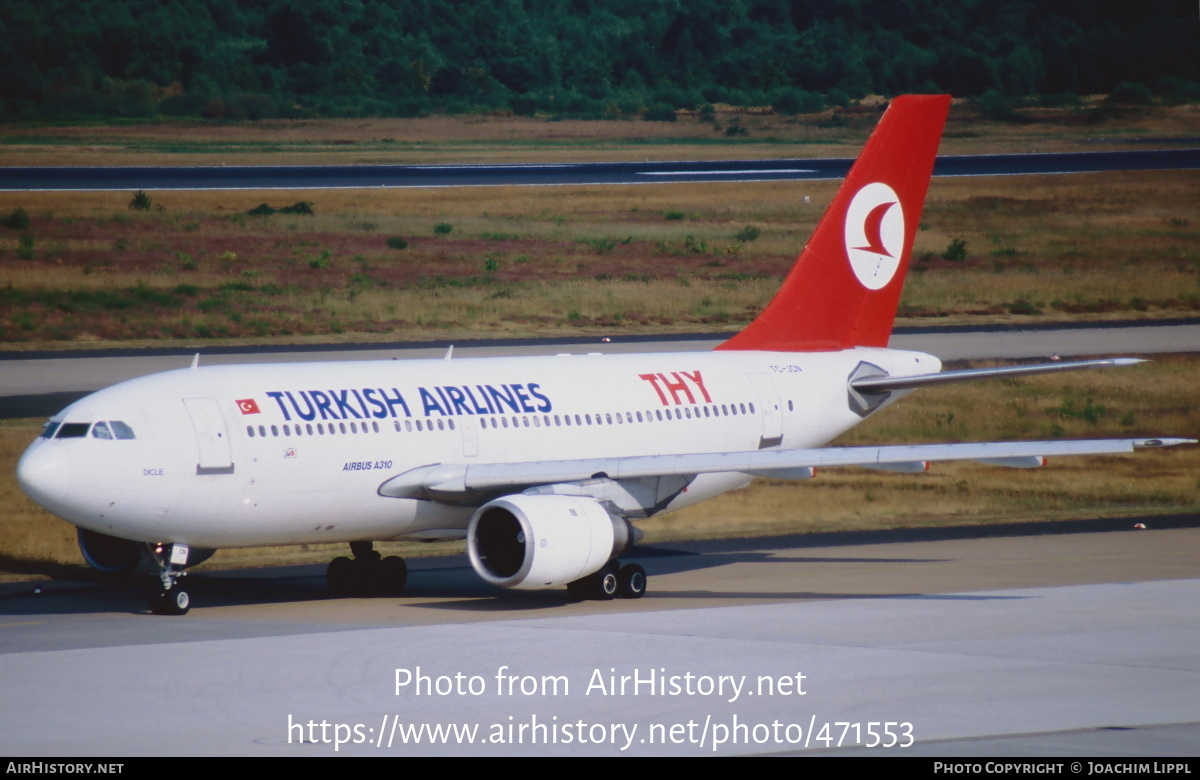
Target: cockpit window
x,y
110,429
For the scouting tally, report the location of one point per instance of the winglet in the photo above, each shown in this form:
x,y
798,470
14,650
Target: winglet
x,y
845,286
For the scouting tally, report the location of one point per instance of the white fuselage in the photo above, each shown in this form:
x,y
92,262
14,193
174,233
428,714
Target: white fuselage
x,y
235,456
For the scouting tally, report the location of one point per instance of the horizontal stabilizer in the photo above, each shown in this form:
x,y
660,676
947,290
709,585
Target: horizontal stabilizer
x,y
872,385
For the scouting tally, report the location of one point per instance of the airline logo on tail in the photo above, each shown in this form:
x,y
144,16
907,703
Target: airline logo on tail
x,y
875,235
845,287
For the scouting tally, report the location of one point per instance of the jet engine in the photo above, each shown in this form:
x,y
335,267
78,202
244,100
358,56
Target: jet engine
x,y
113,555
530,542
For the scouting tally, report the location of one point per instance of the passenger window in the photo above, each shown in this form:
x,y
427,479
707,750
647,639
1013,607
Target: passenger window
x,y
73,430
100,431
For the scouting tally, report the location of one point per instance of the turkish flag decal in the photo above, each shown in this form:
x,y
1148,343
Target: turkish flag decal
x,y
248,406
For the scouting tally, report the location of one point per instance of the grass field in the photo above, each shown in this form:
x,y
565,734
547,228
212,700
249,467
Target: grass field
x,y
730,133
195,268
1153,399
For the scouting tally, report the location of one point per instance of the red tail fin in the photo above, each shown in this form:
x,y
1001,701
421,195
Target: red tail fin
x,y
845,286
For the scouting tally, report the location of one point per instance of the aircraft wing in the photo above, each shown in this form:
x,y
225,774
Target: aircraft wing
x,y
455,482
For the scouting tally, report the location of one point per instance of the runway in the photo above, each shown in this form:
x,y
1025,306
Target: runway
x,y
1004,641
264,177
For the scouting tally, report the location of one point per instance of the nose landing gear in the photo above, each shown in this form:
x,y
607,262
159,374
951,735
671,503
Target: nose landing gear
x,y
169,598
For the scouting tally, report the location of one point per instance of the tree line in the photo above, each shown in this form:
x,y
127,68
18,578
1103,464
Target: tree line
x,y
590,58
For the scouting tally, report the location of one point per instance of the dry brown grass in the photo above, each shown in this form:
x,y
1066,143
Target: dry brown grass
x,y
480,139
533,260
1152,399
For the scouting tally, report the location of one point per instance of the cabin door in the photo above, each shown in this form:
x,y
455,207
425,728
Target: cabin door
x,y
212,438
770,412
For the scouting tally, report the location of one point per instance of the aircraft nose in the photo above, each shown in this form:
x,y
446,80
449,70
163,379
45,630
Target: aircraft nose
x,y
44,473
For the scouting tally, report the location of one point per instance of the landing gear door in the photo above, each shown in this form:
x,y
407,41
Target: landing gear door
x,y
212,439
772,414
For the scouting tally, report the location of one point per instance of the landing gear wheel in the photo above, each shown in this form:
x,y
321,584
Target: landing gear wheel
x,y
391,575
170,602
601,586
606,583
342,578
169,598
632,581
366,574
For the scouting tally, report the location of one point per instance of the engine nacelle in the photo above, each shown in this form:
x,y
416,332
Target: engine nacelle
x,y
108,553
543,541
113,555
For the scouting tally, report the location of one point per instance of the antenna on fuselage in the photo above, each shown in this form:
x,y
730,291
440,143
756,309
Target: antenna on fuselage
x,y
449,352
196,360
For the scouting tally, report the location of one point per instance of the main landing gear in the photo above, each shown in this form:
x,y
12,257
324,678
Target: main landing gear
x,y
367,574
628,582
168,598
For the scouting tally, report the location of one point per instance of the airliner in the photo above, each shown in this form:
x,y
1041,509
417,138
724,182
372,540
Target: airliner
x,y
543,464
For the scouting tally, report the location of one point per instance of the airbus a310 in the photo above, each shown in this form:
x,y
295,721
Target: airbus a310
x,y
543,464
